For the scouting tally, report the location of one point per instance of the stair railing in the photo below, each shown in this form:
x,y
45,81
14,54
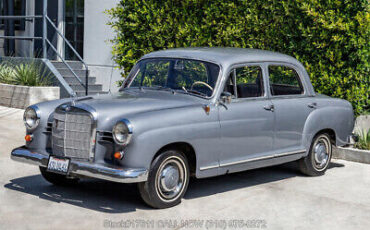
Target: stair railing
x,y
46,42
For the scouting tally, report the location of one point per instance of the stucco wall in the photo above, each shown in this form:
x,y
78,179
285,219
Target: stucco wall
x,y
97,48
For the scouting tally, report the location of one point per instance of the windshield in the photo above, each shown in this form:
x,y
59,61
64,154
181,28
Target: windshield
x,y
187,76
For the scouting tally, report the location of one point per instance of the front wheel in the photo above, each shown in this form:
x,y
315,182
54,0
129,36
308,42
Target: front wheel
x,y
167,181
318,159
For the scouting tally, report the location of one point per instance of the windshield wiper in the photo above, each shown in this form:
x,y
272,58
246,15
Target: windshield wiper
x,y
196,92
192,92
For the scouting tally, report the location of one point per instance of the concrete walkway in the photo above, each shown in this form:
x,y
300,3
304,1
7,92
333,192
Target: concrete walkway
x,y
275,197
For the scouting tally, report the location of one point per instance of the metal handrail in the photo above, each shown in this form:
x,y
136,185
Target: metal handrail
x,y
64,61
46,41
20,16
66,41
74,51
20,37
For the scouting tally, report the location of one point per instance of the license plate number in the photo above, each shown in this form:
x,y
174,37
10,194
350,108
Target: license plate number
x,y
58,165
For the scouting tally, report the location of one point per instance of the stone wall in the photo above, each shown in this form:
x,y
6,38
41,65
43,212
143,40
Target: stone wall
x,y
21,97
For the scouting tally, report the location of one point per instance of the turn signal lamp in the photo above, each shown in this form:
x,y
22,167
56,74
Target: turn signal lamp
x,y
118,155
28,138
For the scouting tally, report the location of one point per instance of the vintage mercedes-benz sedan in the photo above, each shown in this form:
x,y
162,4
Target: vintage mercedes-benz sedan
x,y
199,112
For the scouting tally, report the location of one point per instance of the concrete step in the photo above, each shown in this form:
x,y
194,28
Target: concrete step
x,y
91,92
67,72
72,64
91,88
74,81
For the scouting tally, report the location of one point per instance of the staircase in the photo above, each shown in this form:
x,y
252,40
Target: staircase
x,y
81,73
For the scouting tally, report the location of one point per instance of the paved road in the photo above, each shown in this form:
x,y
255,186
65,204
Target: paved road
x,y
277,197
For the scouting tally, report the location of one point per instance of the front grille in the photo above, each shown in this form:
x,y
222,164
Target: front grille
x,y
71,134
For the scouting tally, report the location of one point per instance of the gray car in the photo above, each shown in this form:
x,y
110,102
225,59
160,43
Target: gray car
x,y
198,112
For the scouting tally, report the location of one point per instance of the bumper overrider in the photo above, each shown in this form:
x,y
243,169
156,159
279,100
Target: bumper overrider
x,y
78,168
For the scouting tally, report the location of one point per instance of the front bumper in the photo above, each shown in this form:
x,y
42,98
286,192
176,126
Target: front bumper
x,y
78,168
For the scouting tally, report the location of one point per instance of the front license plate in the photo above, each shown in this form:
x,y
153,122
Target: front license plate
x,y
58,165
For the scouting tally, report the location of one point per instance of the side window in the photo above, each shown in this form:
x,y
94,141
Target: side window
x,y
248,81
284,81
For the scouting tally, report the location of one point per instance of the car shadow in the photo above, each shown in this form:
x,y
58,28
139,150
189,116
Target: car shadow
x,y
110,197
210,186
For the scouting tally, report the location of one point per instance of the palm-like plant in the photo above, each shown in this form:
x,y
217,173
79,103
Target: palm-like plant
x,y
31,74
6,73
364,140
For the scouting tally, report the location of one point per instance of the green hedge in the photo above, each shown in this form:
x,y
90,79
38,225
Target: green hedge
x,y
330,37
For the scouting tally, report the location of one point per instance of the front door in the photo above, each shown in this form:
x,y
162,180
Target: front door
x,y
248,122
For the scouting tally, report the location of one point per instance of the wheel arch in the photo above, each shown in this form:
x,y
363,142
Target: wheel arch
x,y
328,131
185,148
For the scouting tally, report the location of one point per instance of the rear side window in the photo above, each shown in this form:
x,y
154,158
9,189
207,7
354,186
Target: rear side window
x,y
284,81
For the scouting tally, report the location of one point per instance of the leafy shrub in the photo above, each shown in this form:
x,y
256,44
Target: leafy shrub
x,y
330,38
364,140
28,74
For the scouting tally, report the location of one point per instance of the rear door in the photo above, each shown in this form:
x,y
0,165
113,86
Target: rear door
x,y
291,104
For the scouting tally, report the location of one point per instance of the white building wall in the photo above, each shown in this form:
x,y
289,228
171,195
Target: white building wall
x,y
97,48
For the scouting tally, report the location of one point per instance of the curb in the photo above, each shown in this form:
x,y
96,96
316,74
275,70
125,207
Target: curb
x,y
351,154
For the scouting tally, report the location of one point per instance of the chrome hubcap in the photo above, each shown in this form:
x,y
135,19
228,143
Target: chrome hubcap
x,y
170,179
322,151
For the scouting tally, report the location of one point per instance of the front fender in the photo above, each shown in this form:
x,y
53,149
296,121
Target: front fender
x,y
156,129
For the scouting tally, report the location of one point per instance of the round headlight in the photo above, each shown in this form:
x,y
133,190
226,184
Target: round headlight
x,y
31,117
122,132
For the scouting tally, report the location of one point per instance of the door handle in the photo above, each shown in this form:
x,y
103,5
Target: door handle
x,y
269,107
312,105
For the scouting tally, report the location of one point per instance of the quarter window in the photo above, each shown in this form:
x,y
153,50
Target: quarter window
x,y
284,81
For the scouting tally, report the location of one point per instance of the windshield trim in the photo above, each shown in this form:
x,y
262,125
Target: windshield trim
x,y
134,75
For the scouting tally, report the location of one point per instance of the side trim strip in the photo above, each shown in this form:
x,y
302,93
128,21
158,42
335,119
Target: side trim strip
x,y
256,159
209,167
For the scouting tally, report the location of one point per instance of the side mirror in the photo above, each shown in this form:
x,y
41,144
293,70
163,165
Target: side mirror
x,y
226,97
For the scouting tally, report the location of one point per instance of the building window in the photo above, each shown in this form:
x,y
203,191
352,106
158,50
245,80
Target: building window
x,y
74,27
19,10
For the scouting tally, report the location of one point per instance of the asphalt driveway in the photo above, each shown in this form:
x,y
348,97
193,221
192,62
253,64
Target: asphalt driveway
x,y
270,198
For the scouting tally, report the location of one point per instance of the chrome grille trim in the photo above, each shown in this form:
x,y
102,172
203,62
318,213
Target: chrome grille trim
x,y
74,133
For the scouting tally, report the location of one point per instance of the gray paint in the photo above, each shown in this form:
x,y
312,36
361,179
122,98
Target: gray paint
x,y
224,140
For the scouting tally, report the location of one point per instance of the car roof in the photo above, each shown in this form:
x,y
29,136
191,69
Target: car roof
x,y
224,56
227,56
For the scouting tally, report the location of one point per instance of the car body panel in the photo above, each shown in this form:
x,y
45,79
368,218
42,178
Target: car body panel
x,y
228,138
247,130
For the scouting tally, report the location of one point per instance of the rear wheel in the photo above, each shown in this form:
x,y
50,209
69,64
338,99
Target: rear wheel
x,y
57,179
318,159
167,181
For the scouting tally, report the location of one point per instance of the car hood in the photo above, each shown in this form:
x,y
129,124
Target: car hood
x,y
118,105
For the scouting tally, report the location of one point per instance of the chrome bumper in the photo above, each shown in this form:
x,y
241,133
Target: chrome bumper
x,y
78,168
